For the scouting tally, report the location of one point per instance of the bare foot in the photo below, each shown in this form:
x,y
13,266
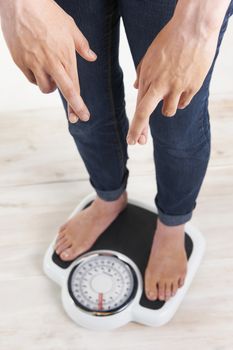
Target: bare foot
x,y
79,233
167,265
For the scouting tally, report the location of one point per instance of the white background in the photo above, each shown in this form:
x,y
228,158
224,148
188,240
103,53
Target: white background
x,y
16,93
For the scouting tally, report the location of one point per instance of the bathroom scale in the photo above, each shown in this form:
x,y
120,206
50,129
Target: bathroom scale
x,y
103,288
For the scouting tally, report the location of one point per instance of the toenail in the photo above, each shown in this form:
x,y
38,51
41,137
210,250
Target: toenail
x,y
65,255
151,295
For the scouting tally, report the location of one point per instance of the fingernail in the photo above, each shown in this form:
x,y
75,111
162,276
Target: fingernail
x,y
182,106
73,118
92,53
142,139
85,117
130,140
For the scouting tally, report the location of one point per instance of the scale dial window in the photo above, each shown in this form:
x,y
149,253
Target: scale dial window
x,y
102,284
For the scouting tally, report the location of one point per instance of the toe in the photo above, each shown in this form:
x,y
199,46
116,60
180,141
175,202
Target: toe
x,y
60,241
152,293
61,232
168,290
181,281
60,236
66,244
161,290
174,288
62,227
150,286
68,254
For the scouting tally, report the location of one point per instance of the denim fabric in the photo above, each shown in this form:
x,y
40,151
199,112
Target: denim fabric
x,y
181,143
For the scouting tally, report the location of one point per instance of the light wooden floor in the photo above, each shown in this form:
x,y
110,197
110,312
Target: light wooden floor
x,y
42,179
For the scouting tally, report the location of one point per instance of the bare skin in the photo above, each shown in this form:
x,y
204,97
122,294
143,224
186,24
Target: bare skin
x,y
182,54
167,264
80,232
45,51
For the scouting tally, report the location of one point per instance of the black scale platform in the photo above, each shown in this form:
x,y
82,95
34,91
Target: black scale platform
x,y
131,234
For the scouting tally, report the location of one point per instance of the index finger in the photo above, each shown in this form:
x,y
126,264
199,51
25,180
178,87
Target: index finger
x,y
143,111
70,93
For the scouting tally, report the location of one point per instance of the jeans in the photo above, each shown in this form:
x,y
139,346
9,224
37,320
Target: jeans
x,y
181,144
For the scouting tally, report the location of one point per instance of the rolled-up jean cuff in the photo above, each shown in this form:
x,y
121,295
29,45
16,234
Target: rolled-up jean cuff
x,y
173,220
112,194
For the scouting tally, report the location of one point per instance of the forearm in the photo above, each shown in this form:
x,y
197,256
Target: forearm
x,y
202,16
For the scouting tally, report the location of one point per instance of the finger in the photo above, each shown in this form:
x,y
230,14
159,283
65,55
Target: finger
x,y
170,104
72,70
73,118
70,92
142,90
141,117
45,82
143,137
185,99
82,45
29,74
135,84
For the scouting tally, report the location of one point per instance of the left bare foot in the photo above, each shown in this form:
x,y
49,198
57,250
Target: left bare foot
x,y
80,232
167,265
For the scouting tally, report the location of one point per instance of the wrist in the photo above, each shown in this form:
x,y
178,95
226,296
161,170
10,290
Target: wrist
x,y
201,18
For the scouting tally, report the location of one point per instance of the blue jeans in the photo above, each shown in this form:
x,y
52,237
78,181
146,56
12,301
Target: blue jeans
x,y
181,143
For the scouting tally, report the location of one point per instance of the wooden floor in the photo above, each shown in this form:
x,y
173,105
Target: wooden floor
x,y
42,179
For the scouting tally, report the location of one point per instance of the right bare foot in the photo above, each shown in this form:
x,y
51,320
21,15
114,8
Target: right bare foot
x,y
167,265
79,233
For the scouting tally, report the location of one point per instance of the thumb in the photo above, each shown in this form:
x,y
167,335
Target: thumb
x,y
82,46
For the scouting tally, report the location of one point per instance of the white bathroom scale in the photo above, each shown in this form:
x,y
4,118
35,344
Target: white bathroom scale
x,y
103,288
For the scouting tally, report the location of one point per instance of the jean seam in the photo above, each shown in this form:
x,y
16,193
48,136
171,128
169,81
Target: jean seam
x,y
120,151
205,130
205,135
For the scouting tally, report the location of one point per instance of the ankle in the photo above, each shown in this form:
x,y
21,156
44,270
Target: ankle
x,y
112,206
173,230
173,227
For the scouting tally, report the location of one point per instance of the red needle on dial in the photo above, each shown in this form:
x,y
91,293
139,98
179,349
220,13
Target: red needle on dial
x,y
100,301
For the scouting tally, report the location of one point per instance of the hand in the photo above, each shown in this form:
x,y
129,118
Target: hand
x,y
43,40
173,70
